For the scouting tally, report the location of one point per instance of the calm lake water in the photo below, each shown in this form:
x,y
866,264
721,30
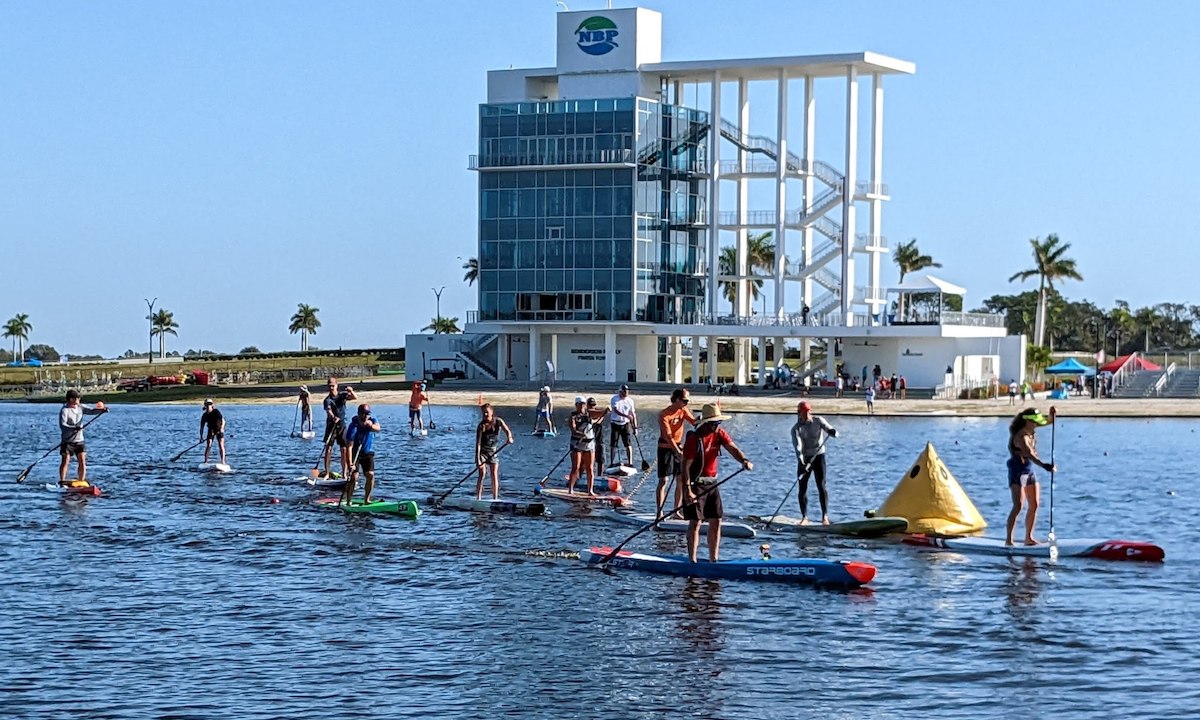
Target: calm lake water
x,y
183,595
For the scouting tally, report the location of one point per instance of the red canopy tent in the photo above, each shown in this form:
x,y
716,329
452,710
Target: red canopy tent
x,y
1138,364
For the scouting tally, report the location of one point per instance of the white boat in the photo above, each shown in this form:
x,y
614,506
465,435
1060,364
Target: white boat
x,y
729,528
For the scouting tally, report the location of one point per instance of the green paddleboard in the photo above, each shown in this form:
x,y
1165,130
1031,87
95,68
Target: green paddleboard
x,y
406,508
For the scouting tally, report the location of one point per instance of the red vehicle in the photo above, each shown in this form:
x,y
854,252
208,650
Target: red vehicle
x,y
198,377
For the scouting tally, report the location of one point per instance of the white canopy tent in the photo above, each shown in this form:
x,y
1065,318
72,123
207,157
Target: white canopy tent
x,y
905,312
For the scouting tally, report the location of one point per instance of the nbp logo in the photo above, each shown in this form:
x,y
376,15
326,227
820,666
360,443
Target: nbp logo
x,y
596,35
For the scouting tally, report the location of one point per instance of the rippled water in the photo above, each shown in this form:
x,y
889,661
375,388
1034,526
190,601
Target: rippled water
x,y
187,595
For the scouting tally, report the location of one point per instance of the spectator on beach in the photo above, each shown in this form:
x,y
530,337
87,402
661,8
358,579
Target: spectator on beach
x,y
892,383
870,399
1012,392
903,388
838,384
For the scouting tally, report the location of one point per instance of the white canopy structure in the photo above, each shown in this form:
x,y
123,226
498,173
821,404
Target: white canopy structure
x,y
928,283
904,312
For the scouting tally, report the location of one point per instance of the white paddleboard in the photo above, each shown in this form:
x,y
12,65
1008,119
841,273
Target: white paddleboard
x,y
306,435
620,470
214,467
729,528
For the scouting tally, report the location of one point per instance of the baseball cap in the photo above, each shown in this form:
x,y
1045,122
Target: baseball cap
x,y
545,388
804,405
208,401
579,400
625,388
591,401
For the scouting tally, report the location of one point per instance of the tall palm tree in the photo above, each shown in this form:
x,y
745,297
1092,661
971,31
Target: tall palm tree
x,y
305,322
18,328
472,268
909,259
760,252
163,324
1050,264
443,325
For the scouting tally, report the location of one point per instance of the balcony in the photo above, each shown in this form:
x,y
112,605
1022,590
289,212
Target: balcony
x,y
595,157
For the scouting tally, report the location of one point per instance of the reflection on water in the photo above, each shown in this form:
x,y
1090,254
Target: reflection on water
x,y
204,598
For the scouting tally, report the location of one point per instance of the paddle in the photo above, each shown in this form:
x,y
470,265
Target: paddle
x,y
429,409
799,475
1051,537
472,471
638,440
329,441
186,451
660,518
295,415
25,473
595,424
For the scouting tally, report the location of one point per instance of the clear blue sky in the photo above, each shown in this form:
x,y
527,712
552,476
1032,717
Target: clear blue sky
x,y
234,159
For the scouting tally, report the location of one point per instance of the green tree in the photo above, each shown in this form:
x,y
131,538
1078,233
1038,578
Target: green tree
x,y
472,268
305,322
1050,264
727,266
18,328
909,259
1038,358
250,350
45,353
163,324
443,325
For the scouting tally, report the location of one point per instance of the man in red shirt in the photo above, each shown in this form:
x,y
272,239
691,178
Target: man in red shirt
x,y
701,496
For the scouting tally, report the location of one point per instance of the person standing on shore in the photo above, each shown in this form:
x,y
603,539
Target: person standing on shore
x,y
583,446
870,395
622,423
701,494
306,424
808,439
416,401
1022,483
670,446
335,424
487,434
215,424
544,411
360,434
70,425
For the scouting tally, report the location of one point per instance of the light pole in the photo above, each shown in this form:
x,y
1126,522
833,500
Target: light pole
x,y
438,295
150,317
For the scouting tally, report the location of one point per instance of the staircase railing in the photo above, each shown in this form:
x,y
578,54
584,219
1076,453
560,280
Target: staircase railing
x,y
824,172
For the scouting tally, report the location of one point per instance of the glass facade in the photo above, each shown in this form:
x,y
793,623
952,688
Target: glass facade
x,y
591,211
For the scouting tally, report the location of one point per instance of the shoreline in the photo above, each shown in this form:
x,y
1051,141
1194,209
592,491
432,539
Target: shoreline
x,y
657,397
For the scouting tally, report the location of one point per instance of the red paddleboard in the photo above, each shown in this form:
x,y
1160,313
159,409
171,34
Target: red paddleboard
x,y
1099,549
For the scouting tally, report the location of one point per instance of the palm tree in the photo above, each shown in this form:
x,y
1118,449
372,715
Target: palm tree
x,y
18,329
472,268
305,322
163,324
1050,264
760,252
727,265
443,325
909,259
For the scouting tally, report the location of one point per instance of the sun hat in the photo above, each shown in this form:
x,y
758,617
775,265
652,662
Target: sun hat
x,y
579,400
303,388
710,413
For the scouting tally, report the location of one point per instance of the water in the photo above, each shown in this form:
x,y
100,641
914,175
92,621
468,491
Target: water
x,y
182,595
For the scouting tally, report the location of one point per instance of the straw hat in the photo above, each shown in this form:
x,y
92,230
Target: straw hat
x,y
710,413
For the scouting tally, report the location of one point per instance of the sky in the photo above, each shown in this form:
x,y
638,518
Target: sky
x,y
234,159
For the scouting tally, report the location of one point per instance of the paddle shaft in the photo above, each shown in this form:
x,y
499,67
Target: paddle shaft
x,y
1053,429
567,454
471,472
25,473
660,518
295,415
187,450
328,442
807,468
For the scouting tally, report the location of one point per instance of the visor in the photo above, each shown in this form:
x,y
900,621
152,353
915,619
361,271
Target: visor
x,y
1036,418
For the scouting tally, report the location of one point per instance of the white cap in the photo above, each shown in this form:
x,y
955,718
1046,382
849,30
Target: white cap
x,y
208,401
579,400
545,388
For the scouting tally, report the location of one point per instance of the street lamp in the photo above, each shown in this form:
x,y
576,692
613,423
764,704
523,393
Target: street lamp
x,y
438,295
150,317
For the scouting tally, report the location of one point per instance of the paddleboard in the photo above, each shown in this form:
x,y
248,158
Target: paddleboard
x,y
544,433
214,467
418,433
323,483
502,507
621,470
306,435
1099,549
866,528
75,489
802,571
582,498
729,528
404,508
612,484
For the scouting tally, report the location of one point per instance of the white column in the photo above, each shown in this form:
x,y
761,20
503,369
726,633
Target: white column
x,y
712,359
554,353
675,370
810,154
535,355
876,207
696,359
502,356
714,194
678,99
745,298
762,360
848,225
610,354
781,193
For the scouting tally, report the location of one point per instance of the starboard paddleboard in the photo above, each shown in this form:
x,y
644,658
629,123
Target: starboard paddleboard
x,y
1099,549
802,571
75,488
501,506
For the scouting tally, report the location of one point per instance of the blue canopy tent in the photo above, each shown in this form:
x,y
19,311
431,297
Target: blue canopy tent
x,y
1070,366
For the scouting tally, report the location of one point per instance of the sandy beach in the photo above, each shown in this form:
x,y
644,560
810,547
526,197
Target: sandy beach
x,y
654,398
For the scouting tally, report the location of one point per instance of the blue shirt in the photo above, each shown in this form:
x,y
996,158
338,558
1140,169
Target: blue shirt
x,y
361,435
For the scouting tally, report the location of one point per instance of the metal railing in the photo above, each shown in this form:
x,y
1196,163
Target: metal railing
x,y
870,188
865,242
951,317
595,157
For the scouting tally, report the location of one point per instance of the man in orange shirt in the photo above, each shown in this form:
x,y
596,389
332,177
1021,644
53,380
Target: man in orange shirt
x,y
415,402
670,445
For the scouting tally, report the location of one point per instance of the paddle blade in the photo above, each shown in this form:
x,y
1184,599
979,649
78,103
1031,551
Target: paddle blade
x,y
24,474
432,425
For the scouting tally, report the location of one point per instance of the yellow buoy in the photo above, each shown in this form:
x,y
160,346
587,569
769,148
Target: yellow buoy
x,y
931,499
